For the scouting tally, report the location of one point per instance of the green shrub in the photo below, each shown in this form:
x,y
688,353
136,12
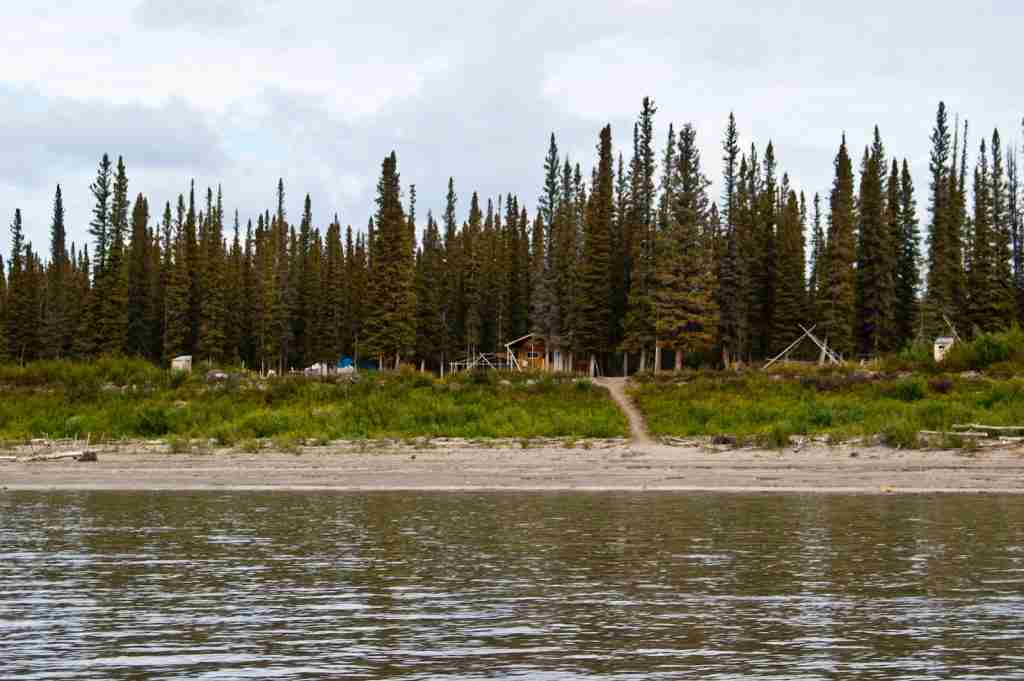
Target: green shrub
x,y
779,436
287,444
901,433
584,385
906,390
180,445
152,421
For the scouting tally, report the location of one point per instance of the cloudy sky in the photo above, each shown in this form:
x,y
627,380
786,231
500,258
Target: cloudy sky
x,y
241,92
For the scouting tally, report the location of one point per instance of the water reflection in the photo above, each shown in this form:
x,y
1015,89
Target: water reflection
x,y
118,585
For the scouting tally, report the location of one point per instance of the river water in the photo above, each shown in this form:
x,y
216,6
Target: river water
x,y
151,585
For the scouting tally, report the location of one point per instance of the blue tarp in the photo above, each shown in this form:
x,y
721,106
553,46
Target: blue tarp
x,y
346,362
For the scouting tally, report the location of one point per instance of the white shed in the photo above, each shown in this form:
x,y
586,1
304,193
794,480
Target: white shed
x,y
942,346
183,363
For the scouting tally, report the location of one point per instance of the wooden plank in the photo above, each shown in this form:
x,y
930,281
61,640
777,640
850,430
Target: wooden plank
x,y
990,430
940,433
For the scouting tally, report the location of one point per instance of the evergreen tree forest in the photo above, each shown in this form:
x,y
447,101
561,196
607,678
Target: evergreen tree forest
x,y
631,265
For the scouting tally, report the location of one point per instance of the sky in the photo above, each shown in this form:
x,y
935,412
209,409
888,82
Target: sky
x,y
239,93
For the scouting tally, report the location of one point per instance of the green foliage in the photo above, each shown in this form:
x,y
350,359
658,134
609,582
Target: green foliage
x,y
839,292
901,433
767,408
119,398
906,390
987,349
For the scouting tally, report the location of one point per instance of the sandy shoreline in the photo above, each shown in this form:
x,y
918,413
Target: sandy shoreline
x,y
586,467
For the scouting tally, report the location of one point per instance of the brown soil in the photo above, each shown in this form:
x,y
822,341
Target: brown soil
x,y
637,425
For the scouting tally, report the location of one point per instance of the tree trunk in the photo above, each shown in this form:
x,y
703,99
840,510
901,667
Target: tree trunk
x,y
679,361
625,364
657,359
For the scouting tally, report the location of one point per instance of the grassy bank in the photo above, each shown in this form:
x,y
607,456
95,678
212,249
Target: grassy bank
x,y
770,408
114,399
894,398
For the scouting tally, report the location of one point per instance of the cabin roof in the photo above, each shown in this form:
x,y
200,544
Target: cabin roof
x,y
520,339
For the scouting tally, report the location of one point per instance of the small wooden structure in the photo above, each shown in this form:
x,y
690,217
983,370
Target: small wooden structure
x,y
942,346
527,352
182,363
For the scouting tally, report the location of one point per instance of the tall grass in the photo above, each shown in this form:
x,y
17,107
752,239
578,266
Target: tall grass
x,y
113,399
770,408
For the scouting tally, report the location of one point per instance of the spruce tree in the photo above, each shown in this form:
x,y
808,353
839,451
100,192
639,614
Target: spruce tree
x,y
523,323
876,286
1016,228
234,301
213,308
177,326
1003,295
816,283
57,332
940,293
304,316
140,325
983,308
840,298
685,303
908,279
621,243
449,278
469,277
790,309
430,332
594,331
393,330
17,313
332,296
111,325
731,299
99,227
639,331
763,273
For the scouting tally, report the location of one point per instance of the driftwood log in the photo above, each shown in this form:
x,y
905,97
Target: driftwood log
x,y
83,456
991,431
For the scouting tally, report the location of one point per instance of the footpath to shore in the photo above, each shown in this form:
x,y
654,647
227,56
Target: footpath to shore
x,y
597,466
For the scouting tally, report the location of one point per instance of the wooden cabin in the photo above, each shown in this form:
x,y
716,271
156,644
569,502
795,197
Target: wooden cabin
x,y
527,353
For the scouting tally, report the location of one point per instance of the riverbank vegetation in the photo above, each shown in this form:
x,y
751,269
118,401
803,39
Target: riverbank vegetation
x,y
133,399
981,381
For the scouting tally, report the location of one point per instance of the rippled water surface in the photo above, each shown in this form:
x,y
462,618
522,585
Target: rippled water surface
x,y
534,586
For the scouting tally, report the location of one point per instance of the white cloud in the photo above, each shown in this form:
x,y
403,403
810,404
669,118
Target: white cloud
x,y
194,14
242,92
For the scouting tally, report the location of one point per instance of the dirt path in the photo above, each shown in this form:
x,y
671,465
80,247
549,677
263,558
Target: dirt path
x,y
637,426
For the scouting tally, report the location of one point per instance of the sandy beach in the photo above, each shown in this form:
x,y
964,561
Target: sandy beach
x,y
597,466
